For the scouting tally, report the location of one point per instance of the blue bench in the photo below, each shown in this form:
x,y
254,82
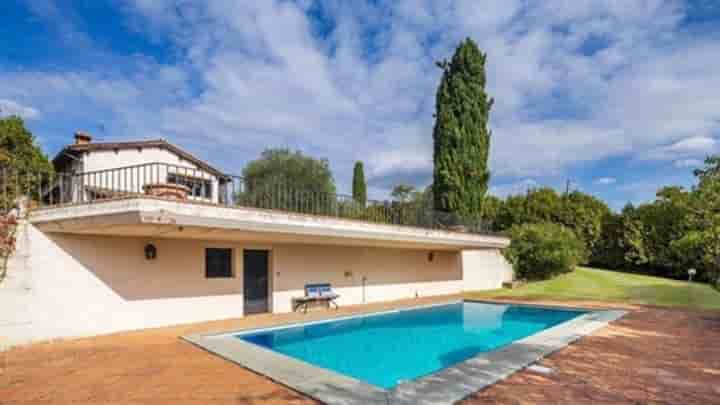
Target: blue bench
x,y
316,293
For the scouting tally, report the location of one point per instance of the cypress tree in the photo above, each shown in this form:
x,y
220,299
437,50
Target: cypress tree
x,y
359,190
461,136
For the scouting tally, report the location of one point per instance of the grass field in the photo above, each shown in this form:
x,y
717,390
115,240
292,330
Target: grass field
x,y
604,285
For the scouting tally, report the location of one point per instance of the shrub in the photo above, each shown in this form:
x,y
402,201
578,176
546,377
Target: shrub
x,y
542,251
7,242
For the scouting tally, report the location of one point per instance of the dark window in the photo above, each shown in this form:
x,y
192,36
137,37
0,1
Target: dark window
x,y
198,187
218,263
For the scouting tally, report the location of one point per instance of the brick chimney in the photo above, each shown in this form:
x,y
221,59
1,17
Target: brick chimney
x,y
82,138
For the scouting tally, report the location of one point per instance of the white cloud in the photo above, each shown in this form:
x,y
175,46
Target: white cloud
x,y
685,149
9,107
605,181
685,163
252,75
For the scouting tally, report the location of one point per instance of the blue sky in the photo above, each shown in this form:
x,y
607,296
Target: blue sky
x,y
620,97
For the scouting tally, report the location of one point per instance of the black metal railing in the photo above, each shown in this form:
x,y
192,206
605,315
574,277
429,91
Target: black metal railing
x,y
167,181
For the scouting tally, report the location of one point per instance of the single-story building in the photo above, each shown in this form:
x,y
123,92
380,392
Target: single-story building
x,y
134,235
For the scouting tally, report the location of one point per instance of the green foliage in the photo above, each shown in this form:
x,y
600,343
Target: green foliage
x,y
21,155
711,169
491,211
461,135
292,169
666,237
539,205
609,249
8,228
359,187
19,149
633,241
403,193
584,214
281,179
580,212
542,251
698,243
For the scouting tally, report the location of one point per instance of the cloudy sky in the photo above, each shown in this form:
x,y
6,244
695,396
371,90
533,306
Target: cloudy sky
x,y
618,96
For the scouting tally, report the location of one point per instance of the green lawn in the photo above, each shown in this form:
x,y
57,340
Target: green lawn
x,y
604,285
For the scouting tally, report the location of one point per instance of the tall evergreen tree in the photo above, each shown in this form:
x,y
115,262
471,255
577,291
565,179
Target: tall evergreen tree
x,y
359,190
461,135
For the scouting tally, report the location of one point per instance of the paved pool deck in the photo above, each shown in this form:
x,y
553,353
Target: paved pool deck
x,y
651,355
447,386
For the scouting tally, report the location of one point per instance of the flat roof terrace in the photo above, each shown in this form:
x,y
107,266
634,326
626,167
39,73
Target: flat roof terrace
x,y
148,216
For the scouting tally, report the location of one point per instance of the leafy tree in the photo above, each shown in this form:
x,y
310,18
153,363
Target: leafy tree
x,y
650,230
491,212
292,169
21,158
699,246
543,205
282,179
580,212
461,135
584,214
711,169
422,201
359,190
512,212
609,249
403,193
544,250
636,253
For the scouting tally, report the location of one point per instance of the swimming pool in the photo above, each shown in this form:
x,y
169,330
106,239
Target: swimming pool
x,y
391,348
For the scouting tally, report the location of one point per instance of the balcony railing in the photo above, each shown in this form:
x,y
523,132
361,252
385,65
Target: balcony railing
x,y
180,183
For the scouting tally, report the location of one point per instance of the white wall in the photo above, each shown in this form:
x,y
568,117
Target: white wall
x,y
485,269
108,159
85,285
390,274
62,285
94,161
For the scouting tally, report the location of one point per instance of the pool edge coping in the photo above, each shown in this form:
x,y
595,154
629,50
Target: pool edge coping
x,y
446,386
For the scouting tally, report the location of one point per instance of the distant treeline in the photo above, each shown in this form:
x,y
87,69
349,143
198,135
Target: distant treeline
x,y
678,231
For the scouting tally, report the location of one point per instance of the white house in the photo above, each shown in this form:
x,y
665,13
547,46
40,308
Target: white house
x,y
109,250
99,168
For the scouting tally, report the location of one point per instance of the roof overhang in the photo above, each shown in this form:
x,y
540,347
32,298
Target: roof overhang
x,y
150,217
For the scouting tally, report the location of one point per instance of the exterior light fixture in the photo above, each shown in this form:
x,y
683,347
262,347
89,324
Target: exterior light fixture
x,y
431,256
691,273
150,252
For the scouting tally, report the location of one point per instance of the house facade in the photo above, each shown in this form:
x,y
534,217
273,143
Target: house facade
x,y
96,169
113,254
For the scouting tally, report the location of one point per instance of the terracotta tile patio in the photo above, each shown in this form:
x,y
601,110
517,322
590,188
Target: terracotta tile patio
x,y
650,356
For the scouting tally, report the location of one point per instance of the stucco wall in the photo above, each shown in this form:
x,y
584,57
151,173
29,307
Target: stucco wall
x,y
63,285
107,159
389,274
485,269
84,285
136,178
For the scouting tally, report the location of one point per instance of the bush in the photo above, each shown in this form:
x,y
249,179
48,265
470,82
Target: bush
x,y
542,251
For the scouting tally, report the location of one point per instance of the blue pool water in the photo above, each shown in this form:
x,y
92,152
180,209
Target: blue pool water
x,y
386,349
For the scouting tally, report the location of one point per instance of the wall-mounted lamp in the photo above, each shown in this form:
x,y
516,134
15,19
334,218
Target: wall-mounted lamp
x,y
150,251
431,256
